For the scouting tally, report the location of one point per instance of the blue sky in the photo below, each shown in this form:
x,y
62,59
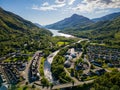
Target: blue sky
x,y
50,11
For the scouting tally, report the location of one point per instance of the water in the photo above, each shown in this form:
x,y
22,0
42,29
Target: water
x,y
47,66
57,33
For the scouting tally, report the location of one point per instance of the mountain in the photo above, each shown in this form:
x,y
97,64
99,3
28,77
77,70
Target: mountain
x,y
15,31
10,22
75,21
107,17
38,25
107,31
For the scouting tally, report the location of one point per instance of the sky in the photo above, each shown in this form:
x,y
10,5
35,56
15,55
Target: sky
x,y
50,11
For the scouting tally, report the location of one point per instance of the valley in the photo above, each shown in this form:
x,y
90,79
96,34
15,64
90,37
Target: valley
x,y
72,54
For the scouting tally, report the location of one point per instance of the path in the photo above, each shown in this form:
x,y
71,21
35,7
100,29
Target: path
x,y
63,85
89,64
73,78
70,84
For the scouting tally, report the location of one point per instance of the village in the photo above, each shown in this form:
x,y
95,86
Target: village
x,y
14,72
98,54
77,67
80,68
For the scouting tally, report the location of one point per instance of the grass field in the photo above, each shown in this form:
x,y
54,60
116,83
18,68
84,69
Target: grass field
x,y
42,67
62,43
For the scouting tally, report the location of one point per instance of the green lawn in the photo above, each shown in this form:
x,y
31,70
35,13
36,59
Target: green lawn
x,y
90,78
111,69
62,43
42,67
29,58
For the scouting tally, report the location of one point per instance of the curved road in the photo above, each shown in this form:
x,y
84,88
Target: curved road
x,y
89,64
63,85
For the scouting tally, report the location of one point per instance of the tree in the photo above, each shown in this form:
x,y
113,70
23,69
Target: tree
x,y
51,86
33,86
115,87
73,82
44,81
26,83
108,81
0,84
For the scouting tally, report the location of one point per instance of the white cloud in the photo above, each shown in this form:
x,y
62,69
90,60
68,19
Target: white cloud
x,y
48,7
70,2
60,1
44,8
45,4
84,5
92,5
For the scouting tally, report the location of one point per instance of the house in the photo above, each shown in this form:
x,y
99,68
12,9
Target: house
x,y
100,71
79,66
73,55
97,64
110,65
22,67
67,64
68,57
4,87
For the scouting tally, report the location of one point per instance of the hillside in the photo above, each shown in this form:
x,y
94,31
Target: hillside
x,y
15,31
73,22
107,31
107,17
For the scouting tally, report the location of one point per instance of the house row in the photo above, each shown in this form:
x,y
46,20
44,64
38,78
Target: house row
x,y
2,76
20,65
11,74
33,72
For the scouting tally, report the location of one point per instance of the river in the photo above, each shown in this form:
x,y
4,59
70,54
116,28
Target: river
x,y
47,63
47,66
57,33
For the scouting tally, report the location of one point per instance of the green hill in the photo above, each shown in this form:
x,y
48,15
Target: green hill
x,y
105,31
107,17
73,22
16,31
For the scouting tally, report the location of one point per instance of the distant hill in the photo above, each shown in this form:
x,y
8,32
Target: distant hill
x,y
107,31
75,21
15,31
107,17
38,25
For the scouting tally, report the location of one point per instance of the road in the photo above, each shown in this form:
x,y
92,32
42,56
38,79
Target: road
x,y
89,64
70,84
73,78
63,85
102,68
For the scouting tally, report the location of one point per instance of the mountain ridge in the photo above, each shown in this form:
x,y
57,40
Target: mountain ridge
x,y
107,31
107,17
74,21
15,31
